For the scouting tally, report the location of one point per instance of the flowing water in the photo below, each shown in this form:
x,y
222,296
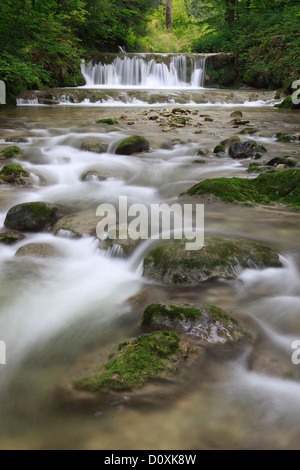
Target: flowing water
x,y
71,309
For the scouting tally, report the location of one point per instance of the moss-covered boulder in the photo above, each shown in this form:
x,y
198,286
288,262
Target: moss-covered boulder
x,y
277,189
10,152
284,137
227,142
13,173
287,103
206,324
31,216
108,121
132,145
158,355
245,149
289,162
172,264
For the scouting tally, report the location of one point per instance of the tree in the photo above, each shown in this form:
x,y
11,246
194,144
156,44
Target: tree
x,y
169,15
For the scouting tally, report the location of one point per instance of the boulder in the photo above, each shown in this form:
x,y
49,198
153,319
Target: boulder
x,y
172,264
247,149
132,145
31,216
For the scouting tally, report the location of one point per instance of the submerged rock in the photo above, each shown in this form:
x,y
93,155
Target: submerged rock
x,y
206,323
10,152
172,264
132,145
247,149
268,189
108,121
31,216
158,355
93,145
39,250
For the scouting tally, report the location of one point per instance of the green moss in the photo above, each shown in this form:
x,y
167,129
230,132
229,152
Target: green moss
x,y
283,137
287,103
248,131
30,216
281,187
14,170
10,152
172,264
171,312
219,148
152,356
132,144
108,121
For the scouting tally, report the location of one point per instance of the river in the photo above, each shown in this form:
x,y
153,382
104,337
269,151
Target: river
x,y
76,306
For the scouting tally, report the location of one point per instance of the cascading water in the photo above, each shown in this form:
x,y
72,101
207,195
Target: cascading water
x,y
177,71
59,310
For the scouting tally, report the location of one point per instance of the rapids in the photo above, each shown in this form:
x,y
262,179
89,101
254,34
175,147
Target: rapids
x,y
79,303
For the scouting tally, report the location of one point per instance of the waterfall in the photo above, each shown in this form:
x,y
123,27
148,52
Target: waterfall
x,y
176,71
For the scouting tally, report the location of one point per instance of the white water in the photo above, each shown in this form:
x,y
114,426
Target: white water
x,y
81,292
139,72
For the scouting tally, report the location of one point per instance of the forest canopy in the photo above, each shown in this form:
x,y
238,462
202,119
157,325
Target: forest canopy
x,y
43,41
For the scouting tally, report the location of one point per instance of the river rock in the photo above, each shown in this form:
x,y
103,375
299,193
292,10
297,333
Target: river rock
x,y
31,216
39,250
10,152
132,145
172,264
10,236
274,189
13,173
157,355
236,114
93,145
247,149
79,224
206,324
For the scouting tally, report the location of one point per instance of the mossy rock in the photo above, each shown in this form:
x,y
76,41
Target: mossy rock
x,y
219,148
31,216
17,139
132,145
158,355
10,236
284,137
269,189
245,149
177,121
10,152
108,121
289,162
236,114
172,264
13,173
206,323
231,140
248,131
287,103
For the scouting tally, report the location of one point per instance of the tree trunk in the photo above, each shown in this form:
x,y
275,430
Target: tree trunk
x,y
230,11
169,16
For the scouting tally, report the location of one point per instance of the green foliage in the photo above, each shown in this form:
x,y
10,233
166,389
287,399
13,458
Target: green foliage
x,y
264,37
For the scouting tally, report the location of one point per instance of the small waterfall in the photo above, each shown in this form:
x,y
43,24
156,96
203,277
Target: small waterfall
x,y
132,70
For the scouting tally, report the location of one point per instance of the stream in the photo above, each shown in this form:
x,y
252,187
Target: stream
x,y
73,308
